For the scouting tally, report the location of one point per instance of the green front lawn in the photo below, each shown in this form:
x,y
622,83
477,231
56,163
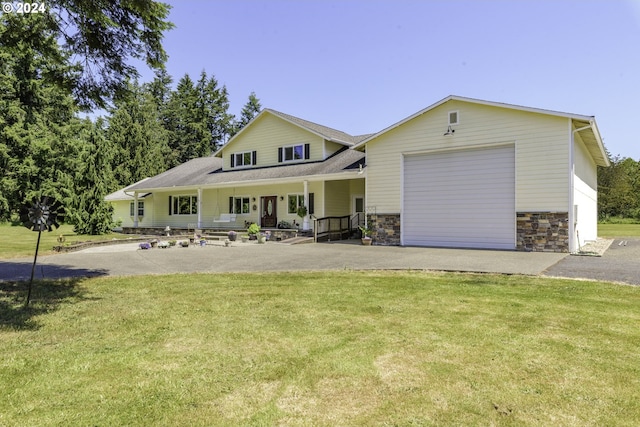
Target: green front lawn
x,y
321,349
18,241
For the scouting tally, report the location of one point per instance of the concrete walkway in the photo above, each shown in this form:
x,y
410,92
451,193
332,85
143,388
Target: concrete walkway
x,y
127,259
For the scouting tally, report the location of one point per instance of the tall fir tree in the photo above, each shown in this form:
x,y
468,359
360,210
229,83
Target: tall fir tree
x,y
249,111
38,147
197,118
91,214
139,140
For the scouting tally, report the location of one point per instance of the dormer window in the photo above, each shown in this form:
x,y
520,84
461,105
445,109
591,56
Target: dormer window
x,y
293,153
246,158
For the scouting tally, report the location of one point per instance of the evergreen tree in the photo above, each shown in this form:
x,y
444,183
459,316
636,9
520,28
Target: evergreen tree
x,y
101,38
38,149
139,140
213,107
197,118
250,110
91,214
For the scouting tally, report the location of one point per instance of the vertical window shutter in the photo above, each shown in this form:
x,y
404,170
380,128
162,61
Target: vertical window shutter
x,y
307,151
280,155
170,205
311,203
254,158
233,161
230,204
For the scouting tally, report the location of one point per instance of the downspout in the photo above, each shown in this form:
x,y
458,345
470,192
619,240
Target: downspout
x,y
135,210
574,243
199,207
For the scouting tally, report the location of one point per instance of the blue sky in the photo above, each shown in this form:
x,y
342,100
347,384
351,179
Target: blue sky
x,y
360,66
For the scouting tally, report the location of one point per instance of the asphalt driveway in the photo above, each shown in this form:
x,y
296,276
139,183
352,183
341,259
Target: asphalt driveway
x,y
126,259
620,263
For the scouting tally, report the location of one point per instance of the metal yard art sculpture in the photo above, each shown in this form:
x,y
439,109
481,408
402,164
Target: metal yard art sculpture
x,y
39,216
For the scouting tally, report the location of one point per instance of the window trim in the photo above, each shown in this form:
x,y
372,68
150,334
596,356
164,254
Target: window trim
x,y
174,204
305,154
140,209
299,196
241,198
310,204
252,159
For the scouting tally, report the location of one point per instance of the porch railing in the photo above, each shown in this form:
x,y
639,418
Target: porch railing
x,y
336,227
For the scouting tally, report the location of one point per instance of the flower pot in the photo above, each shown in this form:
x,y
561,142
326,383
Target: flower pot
x,y
367,241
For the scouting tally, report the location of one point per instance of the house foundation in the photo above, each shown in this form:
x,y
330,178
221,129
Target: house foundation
x,y
386,229
542,231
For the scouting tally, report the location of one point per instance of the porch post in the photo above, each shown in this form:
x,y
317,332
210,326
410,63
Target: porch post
x,y
135,209
305,220
199,207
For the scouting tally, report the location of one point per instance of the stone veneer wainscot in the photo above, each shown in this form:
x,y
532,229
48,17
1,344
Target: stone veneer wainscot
x,y
542,231
386,229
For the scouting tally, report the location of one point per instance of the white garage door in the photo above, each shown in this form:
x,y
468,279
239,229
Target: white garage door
x,y
460,199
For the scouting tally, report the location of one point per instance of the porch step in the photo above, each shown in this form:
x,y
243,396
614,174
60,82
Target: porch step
x,y
297,240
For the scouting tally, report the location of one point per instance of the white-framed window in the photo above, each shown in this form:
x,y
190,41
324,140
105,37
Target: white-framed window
x,y
244,158
241,205
183,205
140,208
294,202
294,153
454,117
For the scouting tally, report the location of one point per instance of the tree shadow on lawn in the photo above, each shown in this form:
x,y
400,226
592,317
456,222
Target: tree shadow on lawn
x,y
62,285
16,271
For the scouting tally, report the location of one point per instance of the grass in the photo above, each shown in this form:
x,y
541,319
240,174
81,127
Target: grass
x,y
321,349
18,241
618,230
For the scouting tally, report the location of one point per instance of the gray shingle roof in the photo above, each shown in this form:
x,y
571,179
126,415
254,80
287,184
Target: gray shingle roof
x,y
324,131
207,172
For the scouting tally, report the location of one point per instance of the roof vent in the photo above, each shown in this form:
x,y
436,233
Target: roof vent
x,y
454,118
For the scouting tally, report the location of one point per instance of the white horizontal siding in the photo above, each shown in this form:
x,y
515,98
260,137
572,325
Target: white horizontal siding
x,y
585,195
269,133
216,202
542,152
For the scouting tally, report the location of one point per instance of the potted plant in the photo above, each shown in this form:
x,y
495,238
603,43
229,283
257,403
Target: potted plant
x,y
366,235
232,235
184,243
245,238
302,213
253,231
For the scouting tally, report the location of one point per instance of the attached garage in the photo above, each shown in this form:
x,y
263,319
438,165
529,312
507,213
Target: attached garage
x,y
460,198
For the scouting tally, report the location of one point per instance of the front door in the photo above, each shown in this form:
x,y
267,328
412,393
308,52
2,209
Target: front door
x,y
269,212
